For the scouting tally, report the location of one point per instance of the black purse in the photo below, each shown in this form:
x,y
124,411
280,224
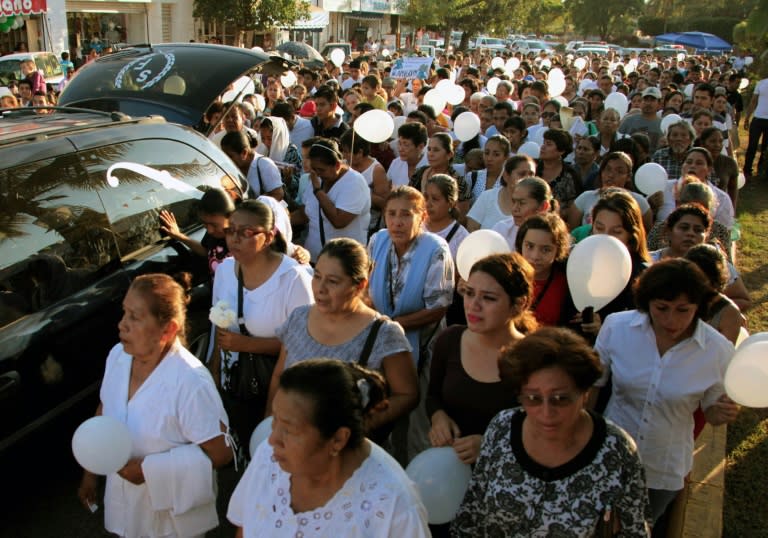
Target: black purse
x,y
251,373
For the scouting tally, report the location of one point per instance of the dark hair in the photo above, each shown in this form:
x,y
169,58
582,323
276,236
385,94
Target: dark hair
x,y
326,151
561,138
354,144
705,87
406,192
428,111
516,122
362,108
669,279
712,263
594,142
283,109
551,223
215,108
502,141
505,105
513,273
445,141
415,132
550,347
236,141
417,115
539,190
327,93
332,387
166,298
371,80
311,141
265,218
351,255
642,139
621,202
215,202
703,151
694,209
706,134
616,156
448,188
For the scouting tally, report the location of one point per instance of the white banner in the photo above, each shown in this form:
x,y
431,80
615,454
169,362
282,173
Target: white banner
x,y
412,67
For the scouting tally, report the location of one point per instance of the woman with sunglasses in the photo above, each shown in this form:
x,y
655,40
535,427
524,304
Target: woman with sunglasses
x,y
272,285
552,466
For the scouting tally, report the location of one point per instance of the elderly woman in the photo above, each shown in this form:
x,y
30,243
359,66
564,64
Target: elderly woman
x,y
340,202
178,426
266,286
665,362
550,466
341,326
615,171
318,475
411,282
276,144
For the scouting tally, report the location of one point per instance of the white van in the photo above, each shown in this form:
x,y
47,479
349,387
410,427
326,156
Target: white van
x,y
47,63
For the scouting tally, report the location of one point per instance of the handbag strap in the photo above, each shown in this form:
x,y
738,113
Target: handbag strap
x,y
368,346
322,227
452,232
240,318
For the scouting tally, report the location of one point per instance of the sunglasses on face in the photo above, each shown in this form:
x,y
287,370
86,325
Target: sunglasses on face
x,y
555,400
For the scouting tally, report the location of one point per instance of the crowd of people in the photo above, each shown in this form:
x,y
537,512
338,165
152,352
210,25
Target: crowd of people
x,y
340,257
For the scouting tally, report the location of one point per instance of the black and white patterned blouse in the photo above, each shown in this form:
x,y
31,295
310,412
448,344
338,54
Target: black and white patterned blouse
x,y
512,495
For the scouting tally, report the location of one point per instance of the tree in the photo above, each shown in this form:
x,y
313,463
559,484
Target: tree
x,y
252,14
543,16
602,17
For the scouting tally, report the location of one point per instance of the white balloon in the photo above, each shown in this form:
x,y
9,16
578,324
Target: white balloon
x,y
435,99
456,95
751,339
512,64
375,126
492,84
243,83
530,148
743,84
477,246
546,63
497,62
580,63
385,53
260,434
680,56
102,445
741,180
337,57
442,480
651,178
556,86
598,269
688,91
747,375
668,120
444,87
562,100
555,73
748,60
467,126
618,102
288,79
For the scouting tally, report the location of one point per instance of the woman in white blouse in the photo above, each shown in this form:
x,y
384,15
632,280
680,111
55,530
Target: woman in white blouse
x,y
318,475
665,362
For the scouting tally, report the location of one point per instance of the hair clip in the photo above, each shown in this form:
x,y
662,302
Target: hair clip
x,y
365,391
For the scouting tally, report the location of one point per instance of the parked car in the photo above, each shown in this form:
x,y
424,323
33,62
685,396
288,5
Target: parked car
x,y
72,237
328,48
599,50
47,63
491,43
528,46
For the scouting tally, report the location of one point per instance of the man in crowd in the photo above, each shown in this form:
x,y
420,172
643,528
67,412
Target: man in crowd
x,y
647,121
326,123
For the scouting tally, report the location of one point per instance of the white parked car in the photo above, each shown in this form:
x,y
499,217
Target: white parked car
x,y
535,46
490,43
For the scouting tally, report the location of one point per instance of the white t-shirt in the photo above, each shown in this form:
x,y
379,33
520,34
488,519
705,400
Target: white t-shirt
x,y
398,170
302,130
486,210
761,90
377,501
178,404
458,236
351,194
508,229
264,308
264,169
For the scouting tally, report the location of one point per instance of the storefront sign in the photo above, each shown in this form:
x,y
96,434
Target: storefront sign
x,y
22,7
380,6
413,67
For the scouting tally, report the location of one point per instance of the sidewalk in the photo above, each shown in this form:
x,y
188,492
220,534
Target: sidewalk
x,y
698,512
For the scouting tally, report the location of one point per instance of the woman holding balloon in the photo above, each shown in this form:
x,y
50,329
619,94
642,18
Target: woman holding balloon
x,y
177,424
465,391
551,466
664,362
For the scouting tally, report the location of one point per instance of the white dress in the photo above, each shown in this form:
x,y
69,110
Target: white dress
x,y
377,501
176,405
264,308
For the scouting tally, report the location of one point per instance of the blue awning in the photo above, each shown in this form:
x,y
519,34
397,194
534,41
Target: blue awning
x,y
696,40
318,19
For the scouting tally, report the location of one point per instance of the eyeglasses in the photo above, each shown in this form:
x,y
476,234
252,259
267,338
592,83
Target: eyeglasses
x,y
555,400
244,232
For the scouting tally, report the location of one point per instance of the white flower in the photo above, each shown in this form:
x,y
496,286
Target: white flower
x,y
221,315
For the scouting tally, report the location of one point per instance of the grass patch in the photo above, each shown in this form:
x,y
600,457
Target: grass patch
x,y
746,487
